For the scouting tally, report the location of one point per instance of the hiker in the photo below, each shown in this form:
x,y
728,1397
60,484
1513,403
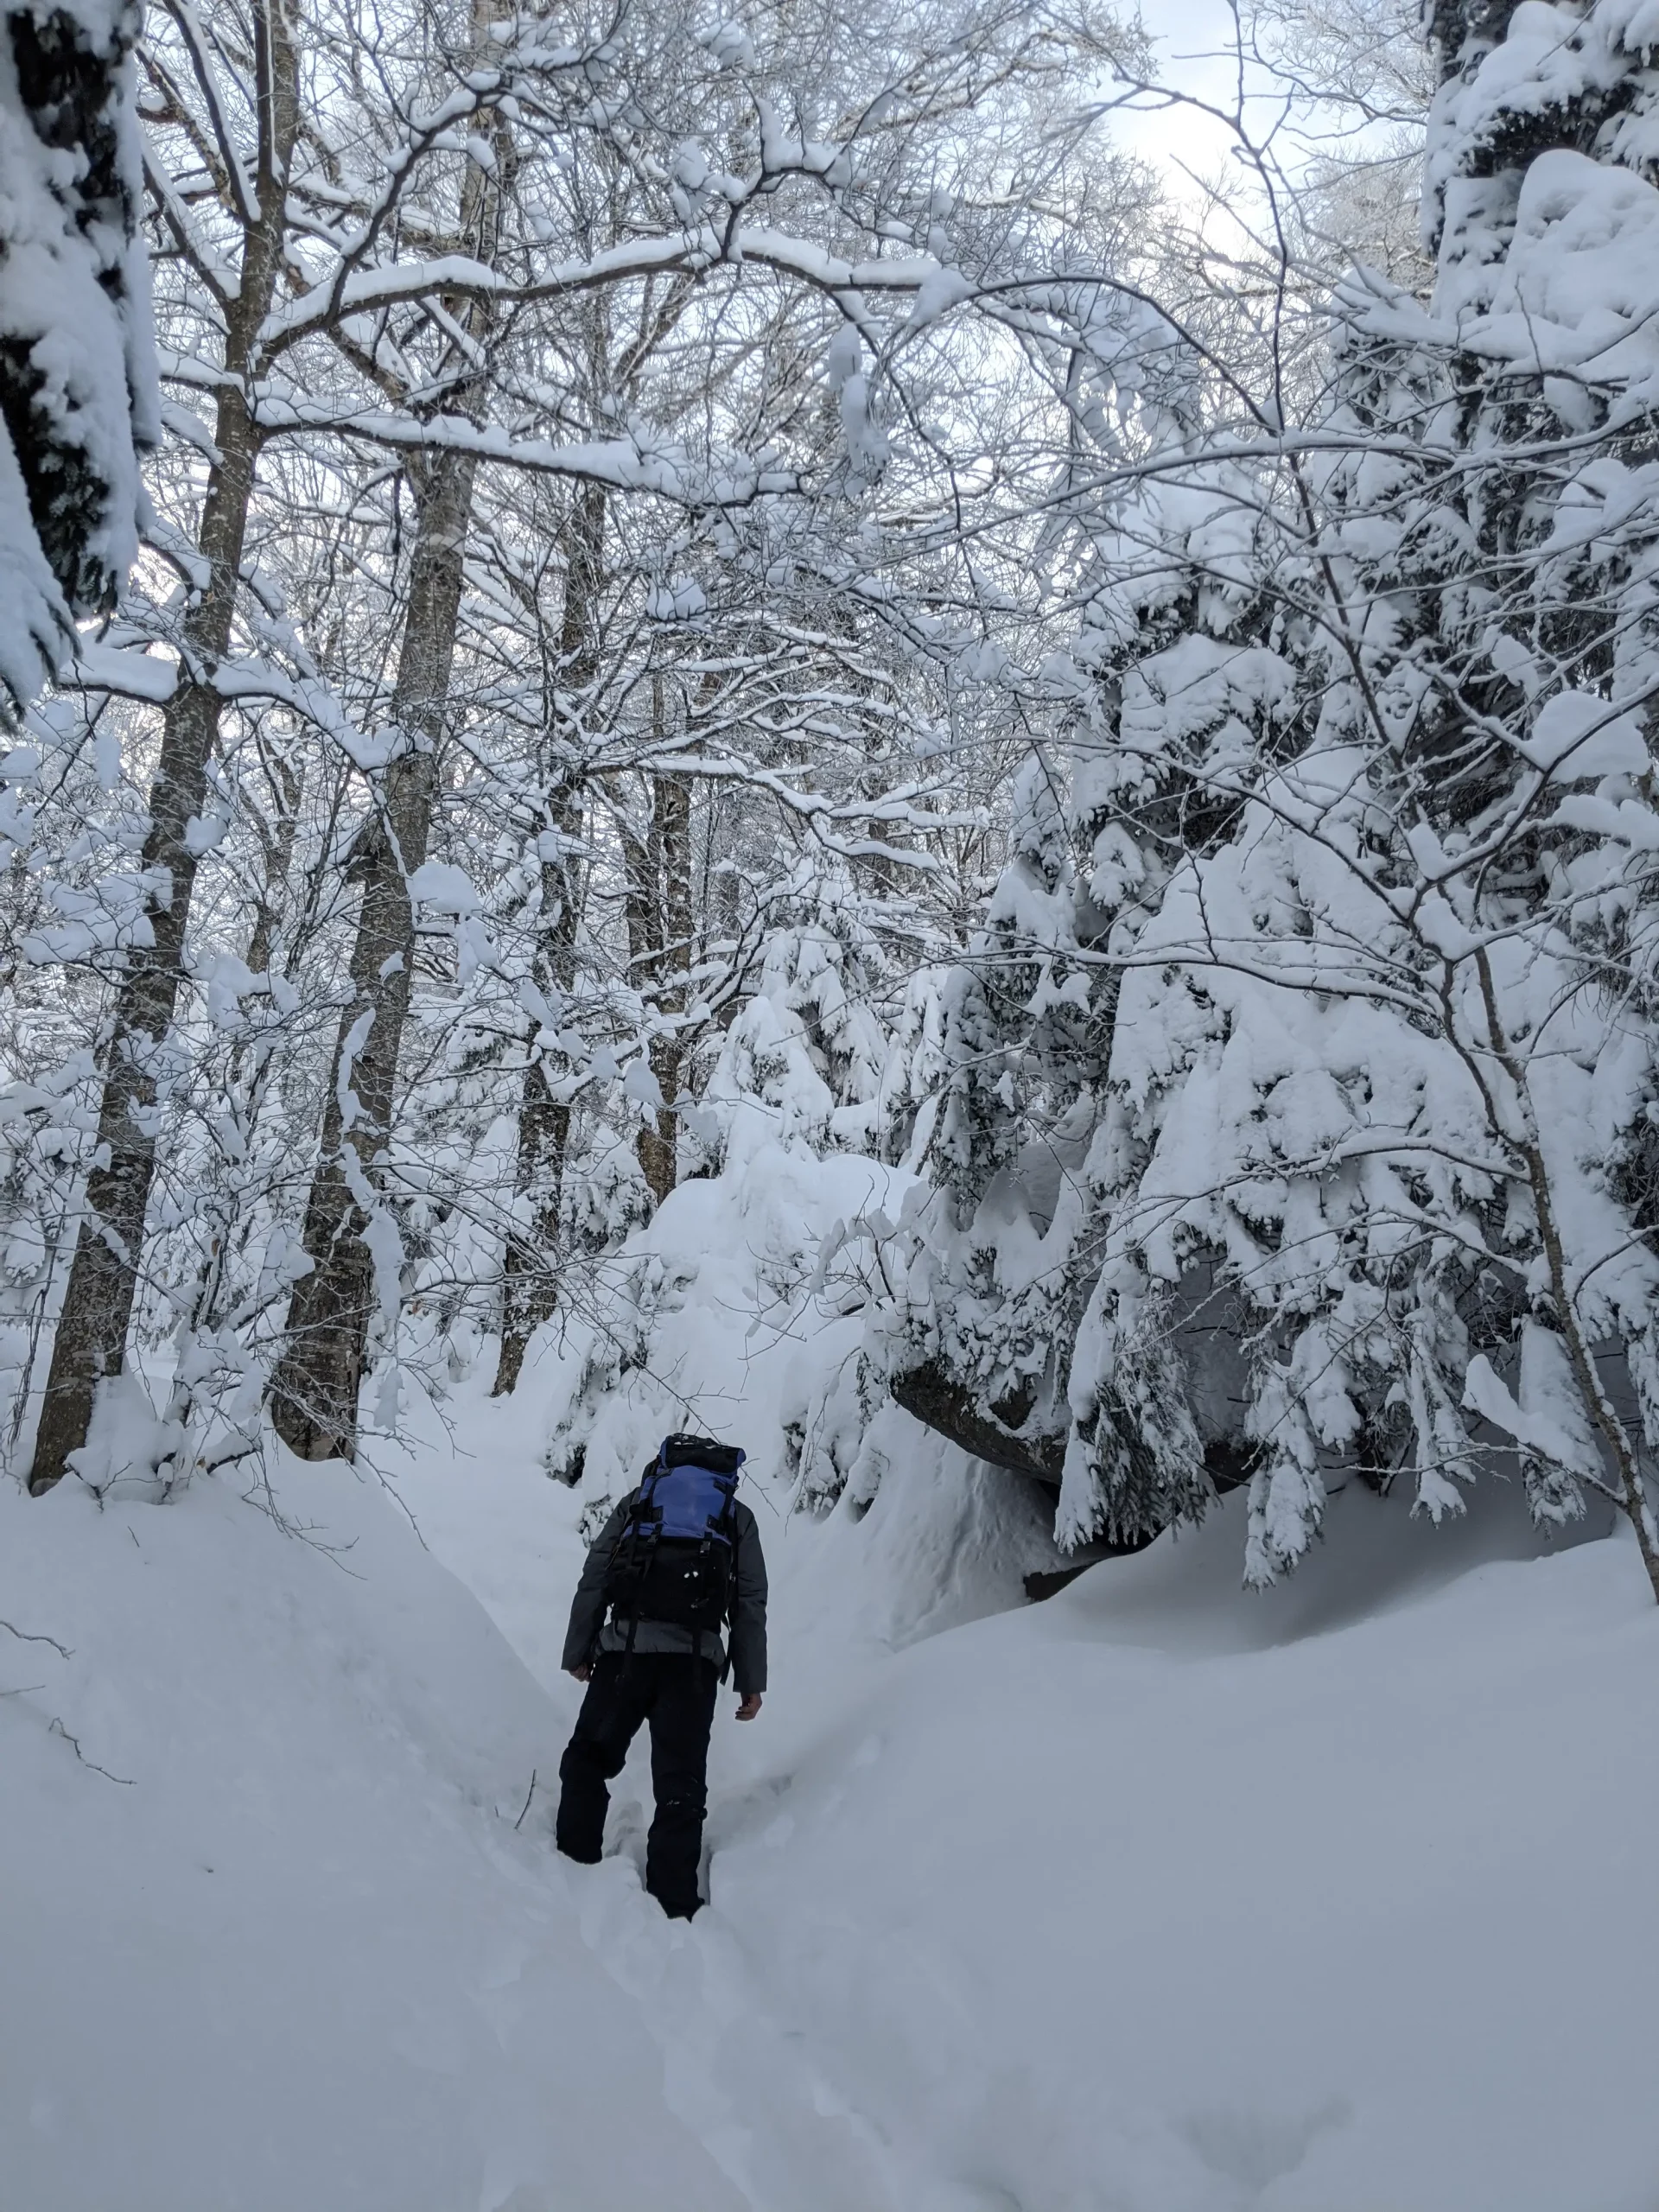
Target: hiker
x,y
676,1562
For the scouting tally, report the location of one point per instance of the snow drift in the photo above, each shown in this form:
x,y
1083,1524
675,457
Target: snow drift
x,y
1158,1900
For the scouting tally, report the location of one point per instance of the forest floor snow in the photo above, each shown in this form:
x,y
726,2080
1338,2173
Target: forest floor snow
x,y
1158,1897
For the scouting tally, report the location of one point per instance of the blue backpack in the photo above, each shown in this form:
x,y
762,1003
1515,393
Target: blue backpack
x,y
673,1560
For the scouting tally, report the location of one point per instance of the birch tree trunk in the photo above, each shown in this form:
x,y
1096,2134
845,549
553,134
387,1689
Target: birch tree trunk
x,y
92,1335
314,1390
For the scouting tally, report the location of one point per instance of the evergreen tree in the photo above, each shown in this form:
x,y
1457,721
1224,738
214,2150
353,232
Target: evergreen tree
x,y
1177,687
1370,1148
77,354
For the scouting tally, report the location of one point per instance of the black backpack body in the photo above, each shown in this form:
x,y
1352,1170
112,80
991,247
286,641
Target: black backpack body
x,y
672,1563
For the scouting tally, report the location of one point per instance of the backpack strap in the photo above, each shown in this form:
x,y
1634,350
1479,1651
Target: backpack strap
x,y
632,1534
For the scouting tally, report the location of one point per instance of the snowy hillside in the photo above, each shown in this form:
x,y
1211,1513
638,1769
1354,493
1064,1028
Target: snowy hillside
x,y
744,1309
1161,1896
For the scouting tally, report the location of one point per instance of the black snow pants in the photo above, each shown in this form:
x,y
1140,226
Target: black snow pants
x,y
676,1694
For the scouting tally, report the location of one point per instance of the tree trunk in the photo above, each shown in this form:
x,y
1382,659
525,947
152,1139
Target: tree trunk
x,y
670,846
529,1278
92,1334
314,1391
529,1287
314,1388
277,842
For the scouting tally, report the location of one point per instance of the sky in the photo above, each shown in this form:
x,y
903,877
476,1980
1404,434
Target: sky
x,y
1193,39
1195,47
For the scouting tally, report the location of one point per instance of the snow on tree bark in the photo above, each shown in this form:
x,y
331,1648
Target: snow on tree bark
x,y
349,1236
529,1282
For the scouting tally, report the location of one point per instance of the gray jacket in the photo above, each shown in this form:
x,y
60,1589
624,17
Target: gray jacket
x,y
585,1636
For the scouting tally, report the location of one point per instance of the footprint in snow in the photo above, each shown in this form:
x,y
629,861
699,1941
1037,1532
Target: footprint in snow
x,y
1256,2149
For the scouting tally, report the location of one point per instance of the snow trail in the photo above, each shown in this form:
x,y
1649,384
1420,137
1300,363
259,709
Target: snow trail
x,y
749,2085
298,1955
1159,1897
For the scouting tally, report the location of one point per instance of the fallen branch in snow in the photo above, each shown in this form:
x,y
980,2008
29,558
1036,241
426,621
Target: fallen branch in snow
x,y
57,1728
519,1822
23,1636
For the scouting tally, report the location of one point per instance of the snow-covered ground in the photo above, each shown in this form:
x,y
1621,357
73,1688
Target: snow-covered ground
x,y
296,1955
1162,1897
1159,1897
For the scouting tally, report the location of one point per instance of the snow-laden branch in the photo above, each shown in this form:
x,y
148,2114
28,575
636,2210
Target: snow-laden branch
x,y
620,463
457,276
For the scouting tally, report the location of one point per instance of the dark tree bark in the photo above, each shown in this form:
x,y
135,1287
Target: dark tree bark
x,y
92,1334
530,1264
664,960
276,834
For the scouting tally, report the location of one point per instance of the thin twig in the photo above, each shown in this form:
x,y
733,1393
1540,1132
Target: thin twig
x,y
73,1742
23,1636
519,1822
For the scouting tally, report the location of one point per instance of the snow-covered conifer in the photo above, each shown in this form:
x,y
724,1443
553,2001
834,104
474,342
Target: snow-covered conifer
x,y
1176,691
1366,1182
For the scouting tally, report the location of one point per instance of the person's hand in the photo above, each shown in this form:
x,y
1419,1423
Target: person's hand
x,y
580,1673
749,1705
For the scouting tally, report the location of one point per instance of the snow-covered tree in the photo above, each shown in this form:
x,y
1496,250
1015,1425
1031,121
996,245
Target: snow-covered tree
x,y
1176,686
77,361
1365,1136
748,396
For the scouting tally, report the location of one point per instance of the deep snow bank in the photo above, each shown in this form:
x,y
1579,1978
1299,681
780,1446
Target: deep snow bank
x,y
1162,1899
740,1310
297,1956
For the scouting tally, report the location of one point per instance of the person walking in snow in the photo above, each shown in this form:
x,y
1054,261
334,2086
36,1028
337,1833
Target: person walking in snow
x,y
677,1564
